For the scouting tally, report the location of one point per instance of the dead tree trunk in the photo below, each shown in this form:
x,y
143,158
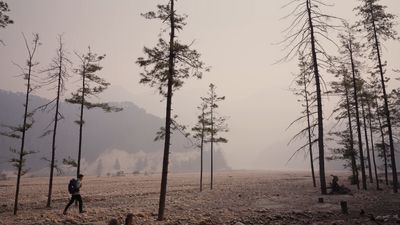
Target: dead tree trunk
x,y
319,104
30,64
53,146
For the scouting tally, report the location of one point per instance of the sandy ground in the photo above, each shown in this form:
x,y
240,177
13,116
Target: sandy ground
x,y
237,197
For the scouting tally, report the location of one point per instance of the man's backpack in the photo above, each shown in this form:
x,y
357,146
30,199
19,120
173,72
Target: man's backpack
x,y
73,186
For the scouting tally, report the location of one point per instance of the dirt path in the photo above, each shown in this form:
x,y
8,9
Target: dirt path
x,y
246,197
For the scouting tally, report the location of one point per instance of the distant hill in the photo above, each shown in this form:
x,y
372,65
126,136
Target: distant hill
x,y
107,138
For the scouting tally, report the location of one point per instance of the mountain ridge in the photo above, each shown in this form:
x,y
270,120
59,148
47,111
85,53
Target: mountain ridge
x,y
131,130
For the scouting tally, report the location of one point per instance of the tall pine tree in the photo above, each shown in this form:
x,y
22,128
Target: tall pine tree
x,y
350,51
200,133
92,86
217,124
379,26
166,66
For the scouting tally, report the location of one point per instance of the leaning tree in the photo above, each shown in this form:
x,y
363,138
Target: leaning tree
x,y
166,66
308,33
379,26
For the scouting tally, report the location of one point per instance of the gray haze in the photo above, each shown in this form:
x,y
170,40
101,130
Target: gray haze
x,y
126,137
235,38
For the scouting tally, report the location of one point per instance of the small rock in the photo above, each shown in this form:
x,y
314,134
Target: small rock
x,y
113,222
142,215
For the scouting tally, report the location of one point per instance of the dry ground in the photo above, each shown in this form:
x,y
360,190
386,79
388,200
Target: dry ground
x,y
246,197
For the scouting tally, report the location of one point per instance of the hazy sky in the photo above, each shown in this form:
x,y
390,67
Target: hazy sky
x,y
235,38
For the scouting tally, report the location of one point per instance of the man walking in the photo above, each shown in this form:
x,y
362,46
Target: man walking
x,y
73,188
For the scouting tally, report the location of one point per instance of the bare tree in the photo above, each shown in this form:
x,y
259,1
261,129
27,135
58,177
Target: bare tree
x,y
379,25
92,85
165,67
305,34
19,132
307,99
57,74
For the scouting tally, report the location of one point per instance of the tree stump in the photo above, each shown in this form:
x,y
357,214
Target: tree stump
x,y
129,219
343,206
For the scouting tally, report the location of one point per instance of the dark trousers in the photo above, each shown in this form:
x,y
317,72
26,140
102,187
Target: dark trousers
x,y
77,198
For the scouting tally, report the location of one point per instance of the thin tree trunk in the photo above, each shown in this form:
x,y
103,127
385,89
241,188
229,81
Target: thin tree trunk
x,y
363,176
353,158
387,112
372,144
21,154
171,72
383,146
367,142
201,150
212,141
309,131
319,104
53,147
78,171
